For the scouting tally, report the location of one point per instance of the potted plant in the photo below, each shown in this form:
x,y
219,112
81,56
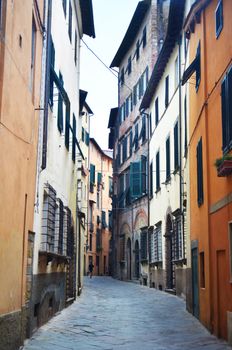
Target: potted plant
x,y
224,165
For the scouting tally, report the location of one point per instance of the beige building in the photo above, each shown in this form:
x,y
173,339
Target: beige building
x,y
100,211
21,38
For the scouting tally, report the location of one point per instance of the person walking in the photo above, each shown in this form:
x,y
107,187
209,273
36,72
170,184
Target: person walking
x,y
91,266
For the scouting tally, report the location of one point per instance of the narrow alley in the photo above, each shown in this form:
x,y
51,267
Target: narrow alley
x,y
109,315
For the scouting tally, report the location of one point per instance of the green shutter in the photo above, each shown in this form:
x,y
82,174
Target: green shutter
x,y
60,107
87,138
99,178
92,173
74,139
67,125
176,146
135,179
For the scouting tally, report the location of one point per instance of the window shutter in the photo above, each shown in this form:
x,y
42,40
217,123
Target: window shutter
x,y
99,178
185,125
156,111
198,66
131,142
168,170
92,173
136,140
144,174
135,95
135,179
151,180
87,138
119,154
176,146
229,99
224,115
67,124
157,171
60,113
144,37
74,139
200,194
166,91
70,21
143,245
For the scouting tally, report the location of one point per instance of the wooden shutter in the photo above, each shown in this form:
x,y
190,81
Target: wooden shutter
x,y
185,125
176,146
70,21
229,103
92,173
74,139
99,178
198,66
224,116
131,142
67,125
60,111
166,91
200,191
144,37
135,179
144,174
151,179
156,111
157,171
168,170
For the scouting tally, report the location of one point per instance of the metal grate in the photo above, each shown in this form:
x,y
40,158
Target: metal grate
x,y
59,223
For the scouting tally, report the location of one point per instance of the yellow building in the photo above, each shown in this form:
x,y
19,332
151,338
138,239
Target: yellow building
x,y
21,37
100,210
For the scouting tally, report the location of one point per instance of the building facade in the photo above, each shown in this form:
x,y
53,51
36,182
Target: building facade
x,y
208,27
56,278
98,245
21,39
165,101
135,59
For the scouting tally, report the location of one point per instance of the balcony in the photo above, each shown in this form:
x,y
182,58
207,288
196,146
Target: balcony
x,y
224,168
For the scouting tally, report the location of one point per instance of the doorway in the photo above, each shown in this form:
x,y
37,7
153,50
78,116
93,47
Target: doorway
x,y
195,282
170,273
222,297
128,258
137,274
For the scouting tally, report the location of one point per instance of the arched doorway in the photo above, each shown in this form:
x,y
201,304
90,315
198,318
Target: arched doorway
x,y
137,269
128,258
170,273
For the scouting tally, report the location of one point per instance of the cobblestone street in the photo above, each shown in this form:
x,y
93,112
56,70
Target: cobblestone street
x,y
111,314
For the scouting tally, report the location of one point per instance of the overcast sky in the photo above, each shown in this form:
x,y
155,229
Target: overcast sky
x,y
111,18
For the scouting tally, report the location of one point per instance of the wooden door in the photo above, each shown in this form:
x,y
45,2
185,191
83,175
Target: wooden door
x,y
195,282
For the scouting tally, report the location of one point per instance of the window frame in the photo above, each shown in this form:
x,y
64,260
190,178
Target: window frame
x,y
219,9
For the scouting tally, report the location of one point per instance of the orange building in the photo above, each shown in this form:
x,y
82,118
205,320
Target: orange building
x,y
100,210
21,40
208,27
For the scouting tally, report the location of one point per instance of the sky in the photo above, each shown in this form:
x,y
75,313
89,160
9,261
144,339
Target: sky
x,y
111,19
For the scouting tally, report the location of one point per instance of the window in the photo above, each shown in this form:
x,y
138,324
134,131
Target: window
x,y
74,139
129,66
59,222
226,107
87,138
156,111
202,270
176,72
219,18
143,132
168,168
48,219
157,171
144,39
75,49
135,179
124,149
70,22
64,3
98,200
198,66
122,248
176,146
143,244
151,180
110,219
144,174
67,125
122,80
92,173
111,188
136,137
104,225
131,102
185,127
83,134
131,142
98,243
60,116
90,242
119,154
127,107
200,190
137,50
166,91
155,245
33,48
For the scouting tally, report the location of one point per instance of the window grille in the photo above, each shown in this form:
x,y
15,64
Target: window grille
x,y
59,222
48,219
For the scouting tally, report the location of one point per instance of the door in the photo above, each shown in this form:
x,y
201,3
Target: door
x,y
128,259
222,295
137,259
195,283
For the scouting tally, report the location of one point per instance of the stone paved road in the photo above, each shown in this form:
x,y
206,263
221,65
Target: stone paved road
x,y
124,316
